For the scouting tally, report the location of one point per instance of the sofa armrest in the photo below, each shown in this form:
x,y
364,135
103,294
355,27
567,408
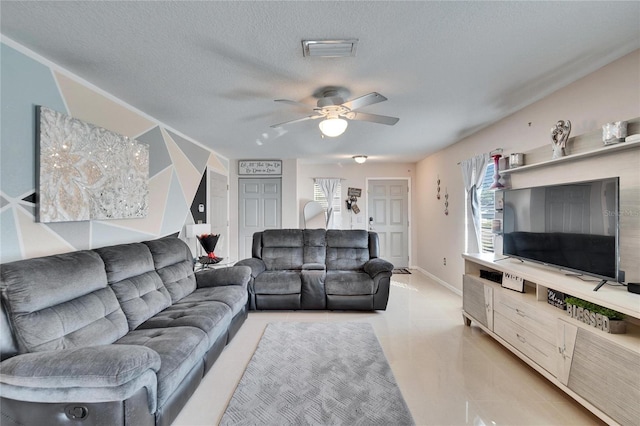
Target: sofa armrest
x,y
89,374
233,275
257,265
375,266
314,267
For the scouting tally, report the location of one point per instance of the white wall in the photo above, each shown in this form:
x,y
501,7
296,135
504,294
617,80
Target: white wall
x,y
609,94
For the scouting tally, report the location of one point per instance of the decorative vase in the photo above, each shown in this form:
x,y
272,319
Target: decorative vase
x,y
496,175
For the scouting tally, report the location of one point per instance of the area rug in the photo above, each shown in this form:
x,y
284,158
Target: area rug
x,y
401,271
318,374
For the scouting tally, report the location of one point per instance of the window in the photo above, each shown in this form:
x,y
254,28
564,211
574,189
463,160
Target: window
x,y
487,209
318,196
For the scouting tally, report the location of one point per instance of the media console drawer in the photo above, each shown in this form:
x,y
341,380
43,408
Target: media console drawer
x,y
537,349
531,318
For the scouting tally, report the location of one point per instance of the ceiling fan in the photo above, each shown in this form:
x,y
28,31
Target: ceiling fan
x,y
335,112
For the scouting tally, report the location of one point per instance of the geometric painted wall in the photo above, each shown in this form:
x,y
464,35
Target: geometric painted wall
x,y
176,163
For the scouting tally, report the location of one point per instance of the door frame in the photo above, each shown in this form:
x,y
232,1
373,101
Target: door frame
x,y
227,253
409,211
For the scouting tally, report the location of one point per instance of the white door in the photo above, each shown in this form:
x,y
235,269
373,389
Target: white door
x,y
388,209
219,211
260,208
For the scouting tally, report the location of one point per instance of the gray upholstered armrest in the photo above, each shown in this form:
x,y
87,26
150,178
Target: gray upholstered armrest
x,y
233,275
375,266
89,374
257,265
314,267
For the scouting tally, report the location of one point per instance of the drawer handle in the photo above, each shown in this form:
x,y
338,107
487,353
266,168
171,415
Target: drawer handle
x,y
521,338
519,312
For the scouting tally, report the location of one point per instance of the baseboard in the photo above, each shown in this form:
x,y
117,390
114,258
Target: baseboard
x,y
438,280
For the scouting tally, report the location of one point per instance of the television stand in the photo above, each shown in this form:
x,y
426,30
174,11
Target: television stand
x,y
600,284
572,355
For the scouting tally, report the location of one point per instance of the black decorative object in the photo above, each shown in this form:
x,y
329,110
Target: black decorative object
x,y
208,243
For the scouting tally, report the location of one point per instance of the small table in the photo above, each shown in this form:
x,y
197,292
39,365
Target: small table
x,y
203,262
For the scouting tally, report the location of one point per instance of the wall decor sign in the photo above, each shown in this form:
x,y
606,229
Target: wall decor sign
x,y
259,167
513,282
88,172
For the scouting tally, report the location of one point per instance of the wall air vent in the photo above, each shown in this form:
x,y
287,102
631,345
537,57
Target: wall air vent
x,y
329,48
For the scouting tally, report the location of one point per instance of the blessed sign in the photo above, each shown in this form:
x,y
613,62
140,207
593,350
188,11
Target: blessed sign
x,y
260,167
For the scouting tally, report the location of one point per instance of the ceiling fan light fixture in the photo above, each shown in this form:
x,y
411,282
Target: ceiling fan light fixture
x,y
360,159
333,127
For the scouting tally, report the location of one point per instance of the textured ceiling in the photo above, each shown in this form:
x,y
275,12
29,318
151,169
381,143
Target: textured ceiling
x,y
211,70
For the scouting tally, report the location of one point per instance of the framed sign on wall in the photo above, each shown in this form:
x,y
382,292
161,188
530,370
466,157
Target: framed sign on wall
x,y
259,167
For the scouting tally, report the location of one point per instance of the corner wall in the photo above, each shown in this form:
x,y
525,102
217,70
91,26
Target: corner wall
x,y
176,163
609,94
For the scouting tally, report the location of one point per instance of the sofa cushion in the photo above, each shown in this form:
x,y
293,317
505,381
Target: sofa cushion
x,y
347,250
278,282
174,263
211,317
348,283
180,350
282,249
133,278
91,366
61,301
235,297
314,246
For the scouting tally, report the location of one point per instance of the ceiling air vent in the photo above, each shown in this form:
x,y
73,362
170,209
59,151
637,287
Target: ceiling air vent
x,y
329,48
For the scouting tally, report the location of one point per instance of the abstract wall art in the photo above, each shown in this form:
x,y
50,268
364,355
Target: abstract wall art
x,y
88,172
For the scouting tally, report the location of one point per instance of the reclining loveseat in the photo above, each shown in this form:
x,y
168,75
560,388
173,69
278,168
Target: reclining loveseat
x,y
120,335
317,269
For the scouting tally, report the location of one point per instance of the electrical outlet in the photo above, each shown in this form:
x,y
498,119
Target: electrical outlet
x,y
444,261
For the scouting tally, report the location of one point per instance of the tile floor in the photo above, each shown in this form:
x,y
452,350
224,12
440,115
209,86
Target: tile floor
x,y
449,374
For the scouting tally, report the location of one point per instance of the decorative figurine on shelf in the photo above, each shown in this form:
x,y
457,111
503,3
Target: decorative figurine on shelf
x,y
559,138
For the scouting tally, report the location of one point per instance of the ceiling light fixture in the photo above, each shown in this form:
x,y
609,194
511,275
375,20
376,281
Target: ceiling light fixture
x,y
333,126
360,158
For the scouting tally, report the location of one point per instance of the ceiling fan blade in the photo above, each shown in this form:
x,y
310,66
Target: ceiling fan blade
x,y
363,101
374,118
310,117
294,103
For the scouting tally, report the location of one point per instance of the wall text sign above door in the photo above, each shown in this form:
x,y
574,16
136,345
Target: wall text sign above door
x,y
260,167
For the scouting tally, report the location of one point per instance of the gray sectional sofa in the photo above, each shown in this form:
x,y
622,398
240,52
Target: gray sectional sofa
x,y
120,335
317,269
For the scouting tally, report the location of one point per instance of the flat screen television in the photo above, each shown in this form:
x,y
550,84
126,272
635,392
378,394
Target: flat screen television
x,y
571,226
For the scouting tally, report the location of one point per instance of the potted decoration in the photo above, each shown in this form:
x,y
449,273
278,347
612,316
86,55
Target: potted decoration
x,y
208,243
589,313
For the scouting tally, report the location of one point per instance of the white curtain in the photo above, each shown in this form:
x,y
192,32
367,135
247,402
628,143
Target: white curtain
x,y
329,186
472,175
